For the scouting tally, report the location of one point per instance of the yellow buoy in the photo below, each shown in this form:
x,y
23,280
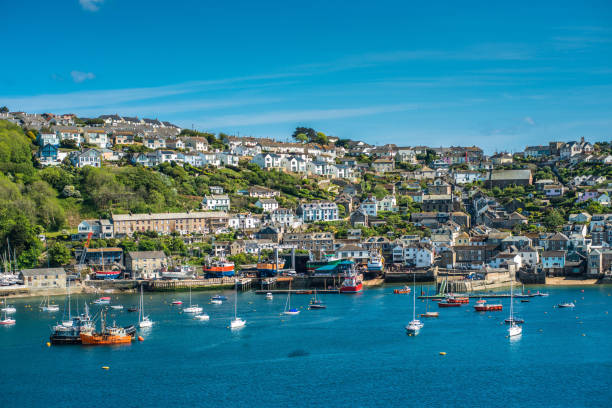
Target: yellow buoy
x,y
443,353
48,344
105,367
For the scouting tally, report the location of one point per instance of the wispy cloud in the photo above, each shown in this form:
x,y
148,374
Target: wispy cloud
x,y
529,120
114,98
479,52
300,115
78,76
91,5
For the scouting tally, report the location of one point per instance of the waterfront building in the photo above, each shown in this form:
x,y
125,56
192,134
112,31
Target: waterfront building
x,y
167,223
43,278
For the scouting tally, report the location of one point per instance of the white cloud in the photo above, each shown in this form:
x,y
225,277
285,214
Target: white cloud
x,y
91,5
302,115
529,120
78,76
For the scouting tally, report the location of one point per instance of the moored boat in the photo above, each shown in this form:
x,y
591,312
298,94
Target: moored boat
x,y
105,300
219,269
316,303
430,314
566,304
402,291
449,304
482,306
107,335
376,263
269,296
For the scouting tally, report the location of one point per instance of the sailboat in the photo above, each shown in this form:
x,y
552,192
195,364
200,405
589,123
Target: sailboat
x,y
515,329
8,309
143,321
316,303
192,308
47,306
415,325
237,322
427,312
7,321
68,323
288,309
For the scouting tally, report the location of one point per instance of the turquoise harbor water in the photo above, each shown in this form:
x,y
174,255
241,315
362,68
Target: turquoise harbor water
x,y
355,353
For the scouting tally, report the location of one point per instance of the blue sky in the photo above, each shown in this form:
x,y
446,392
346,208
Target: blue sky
x,y
500,75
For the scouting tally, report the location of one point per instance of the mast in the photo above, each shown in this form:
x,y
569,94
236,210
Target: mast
x,y
236,300
511,302
69,314
413,296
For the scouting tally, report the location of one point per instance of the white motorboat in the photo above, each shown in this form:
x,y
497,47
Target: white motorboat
x,y
203,317
566,304
269,296
117,307
216,301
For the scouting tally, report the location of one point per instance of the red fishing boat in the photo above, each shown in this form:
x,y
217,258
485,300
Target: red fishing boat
x,y
482,306
351,284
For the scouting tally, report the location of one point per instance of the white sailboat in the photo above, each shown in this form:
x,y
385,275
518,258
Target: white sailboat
x,y
68,323
237,322
192,308
143,320
288,309
415,325
515,329
8,309
47,306
7,321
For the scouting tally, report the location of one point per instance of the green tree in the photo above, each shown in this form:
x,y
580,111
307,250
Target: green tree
x,y
59,254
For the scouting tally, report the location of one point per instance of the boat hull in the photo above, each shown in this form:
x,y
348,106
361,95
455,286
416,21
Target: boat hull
x,y
488,308
352,289
59,339
446,304
99,339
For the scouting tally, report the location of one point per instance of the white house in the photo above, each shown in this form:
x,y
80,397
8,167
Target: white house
x,y
243,221
70,134
97,137
318,211
155,142
285,217
268,161
88,157
216,202
267,204
529,256
45,138
419,255
228,159
294,164
354,253
389,203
